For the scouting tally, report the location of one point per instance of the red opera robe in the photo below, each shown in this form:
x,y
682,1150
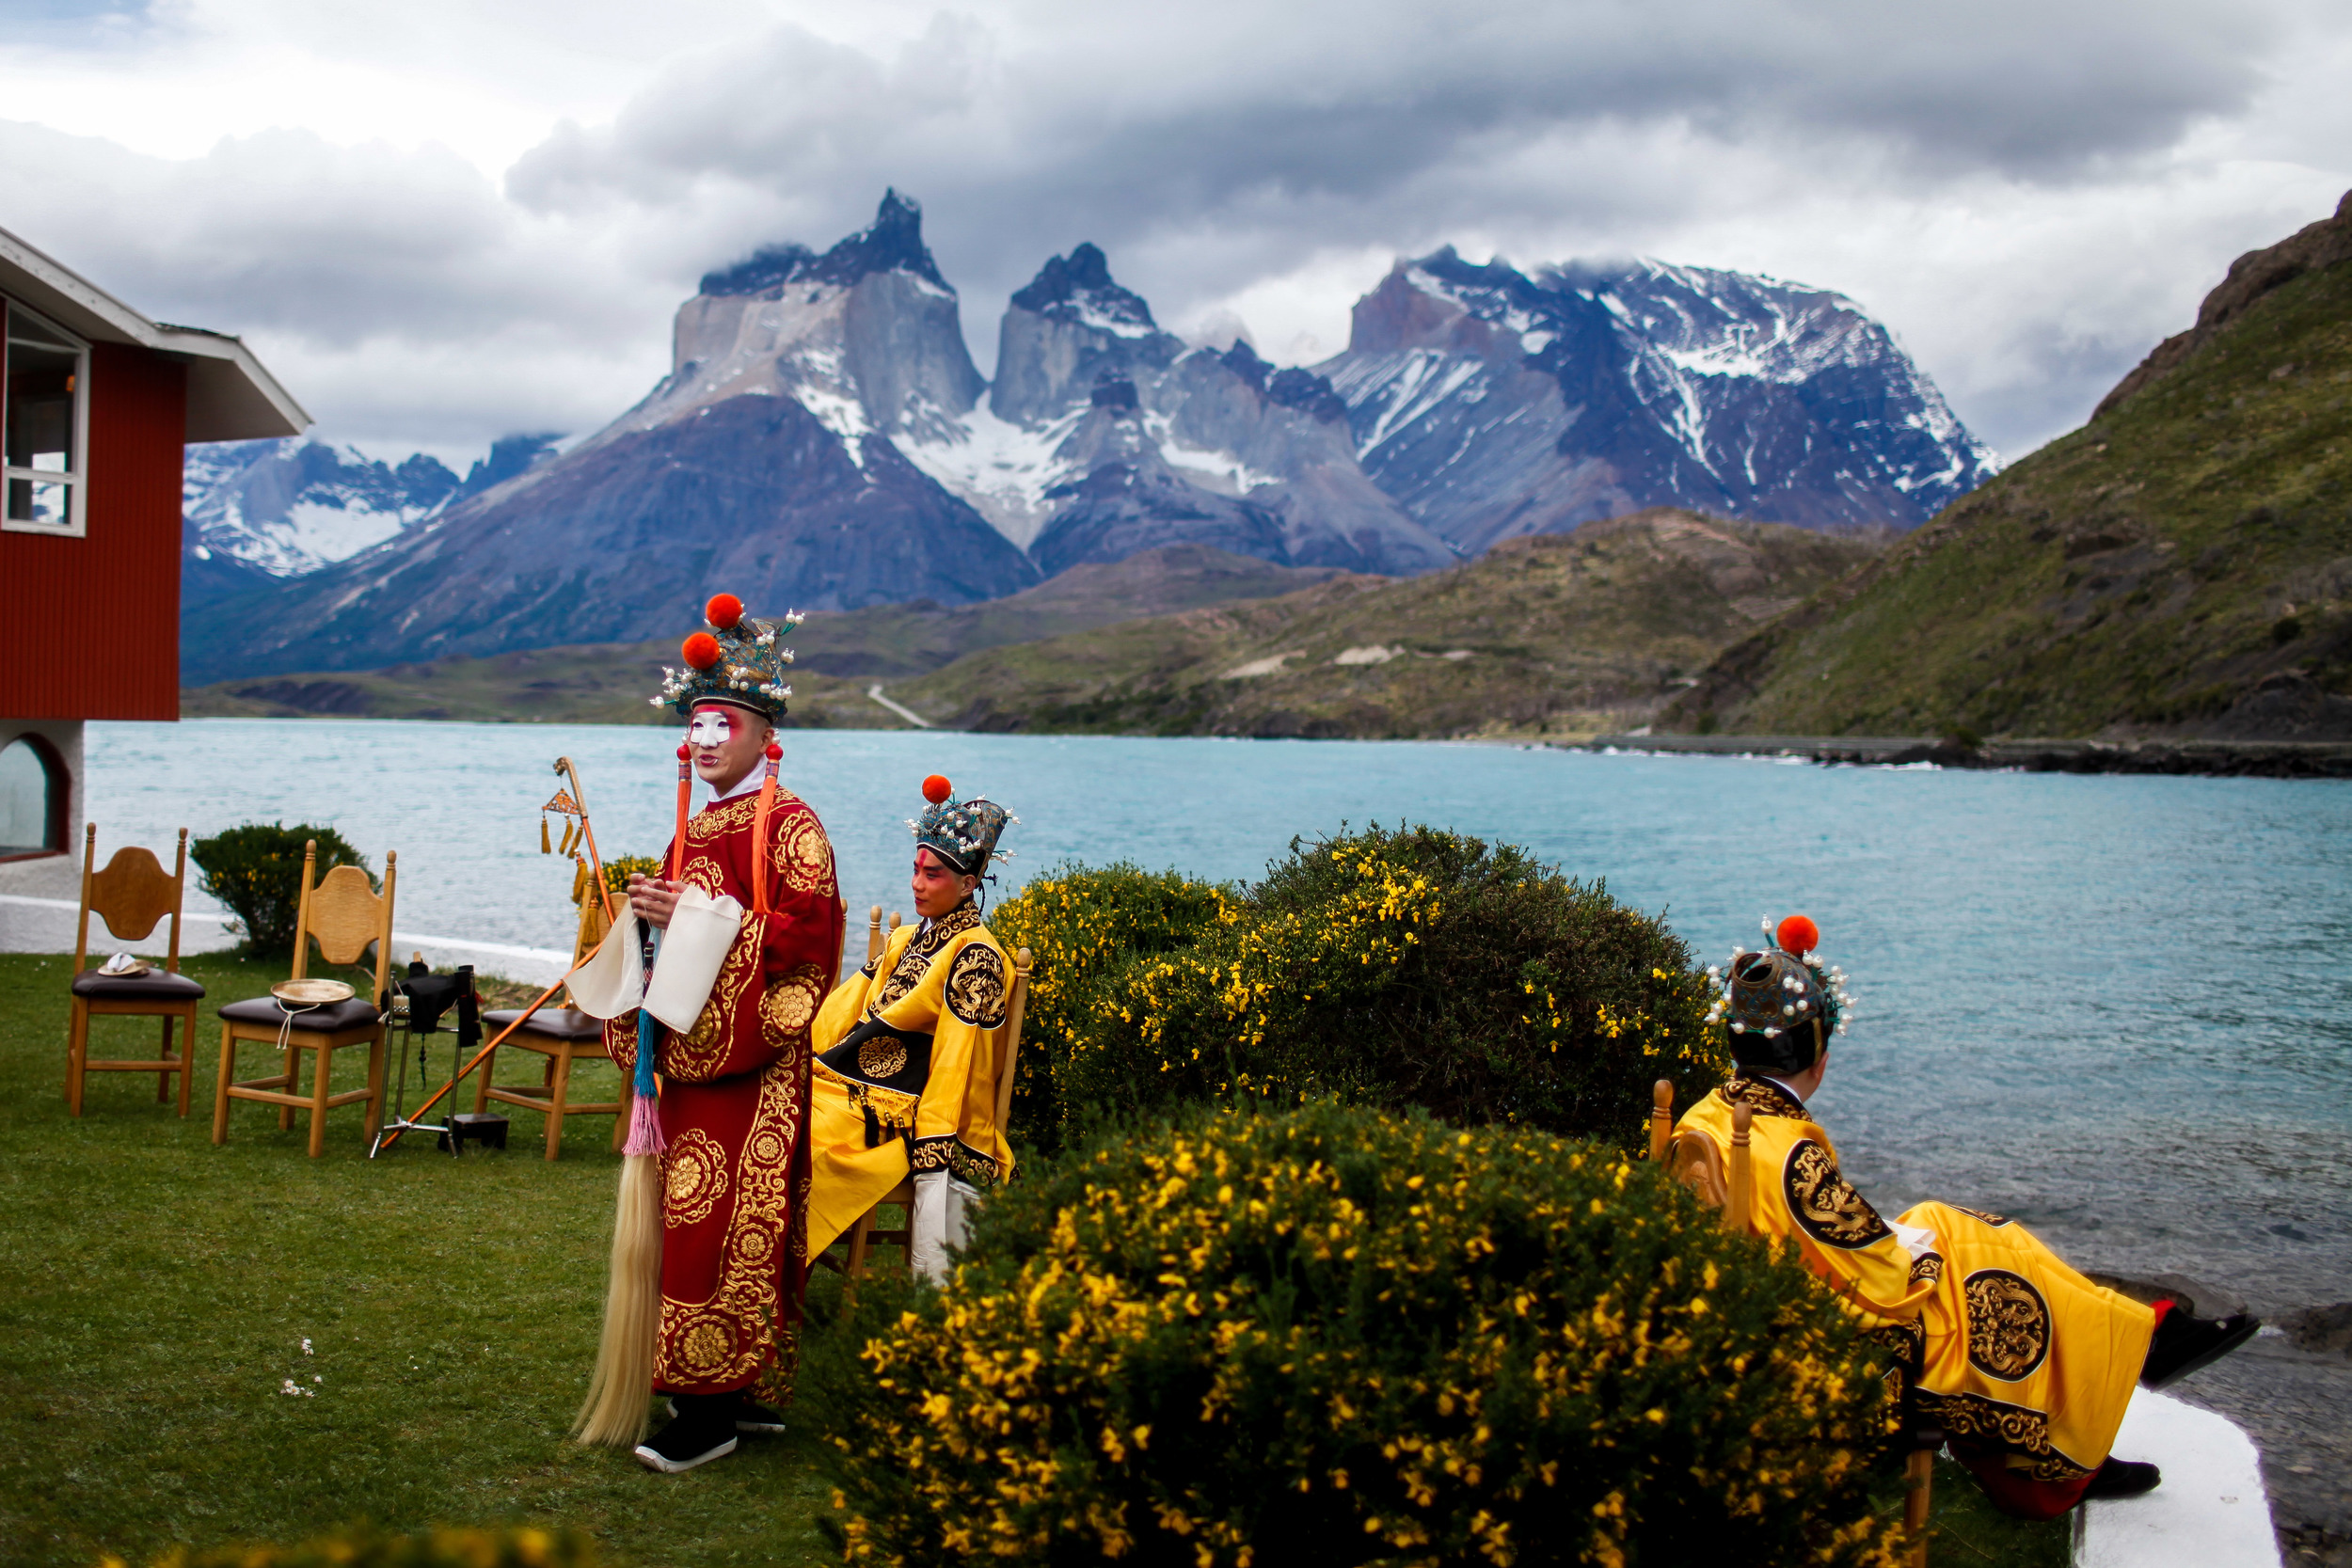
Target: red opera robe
x,y
734,1110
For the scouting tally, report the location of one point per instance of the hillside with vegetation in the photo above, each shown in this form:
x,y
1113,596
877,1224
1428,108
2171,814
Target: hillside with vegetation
x,y
2179,567
1568,635
840,656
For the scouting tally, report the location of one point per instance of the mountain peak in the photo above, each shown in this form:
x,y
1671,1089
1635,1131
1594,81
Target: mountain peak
x,y
1082,282
892,243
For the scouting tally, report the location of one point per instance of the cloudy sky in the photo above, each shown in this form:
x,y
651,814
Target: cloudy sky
x,y
451,219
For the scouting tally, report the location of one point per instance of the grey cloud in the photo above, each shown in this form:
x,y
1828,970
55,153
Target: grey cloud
x,y
1208,147
1206,100
283,232
1232,139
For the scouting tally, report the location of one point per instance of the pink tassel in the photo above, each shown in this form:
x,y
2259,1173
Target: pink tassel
x,y
644,1131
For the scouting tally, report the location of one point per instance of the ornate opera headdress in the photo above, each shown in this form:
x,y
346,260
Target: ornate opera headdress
x,y
738,660
1780,1003
962,832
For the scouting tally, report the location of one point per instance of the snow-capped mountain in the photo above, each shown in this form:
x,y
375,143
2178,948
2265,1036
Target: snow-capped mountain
x,y
288,507
1104,436
1492,403
253,512
766,459
822,440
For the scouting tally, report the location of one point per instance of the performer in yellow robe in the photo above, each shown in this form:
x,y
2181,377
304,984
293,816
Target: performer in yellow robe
x,y
905,1075
2025,1365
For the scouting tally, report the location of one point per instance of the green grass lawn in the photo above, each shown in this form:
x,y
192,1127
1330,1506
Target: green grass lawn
x,y
159,1291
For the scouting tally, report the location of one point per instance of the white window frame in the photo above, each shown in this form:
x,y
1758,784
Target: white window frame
x,y
76,480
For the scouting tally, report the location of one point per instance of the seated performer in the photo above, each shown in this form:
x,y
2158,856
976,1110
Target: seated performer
x,y
906,1067
732,1111
2023,1364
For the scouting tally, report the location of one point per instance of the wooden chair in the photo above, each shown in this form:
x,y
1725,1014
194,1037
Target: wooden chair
x,y
345,917
864,1234
560,1036
132,896
1691,1157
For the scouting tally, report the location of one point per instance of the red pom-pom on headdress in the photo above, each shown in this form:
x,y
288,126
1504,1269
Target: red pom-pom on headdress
x,y
1797,935
700,650
936,788
723,610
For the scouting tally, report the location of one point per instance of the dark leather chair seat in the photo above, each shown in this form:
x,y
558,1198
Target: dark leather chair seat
x,y
155,985
333,1019
562,1023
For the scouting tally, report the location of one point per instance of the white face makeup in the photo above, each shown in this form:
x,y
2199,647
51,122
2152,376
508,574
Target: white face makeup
x,y
708,727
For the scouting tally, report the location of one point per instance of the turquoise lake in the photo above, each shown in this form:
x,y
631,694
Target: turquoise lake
x,y
2118,1009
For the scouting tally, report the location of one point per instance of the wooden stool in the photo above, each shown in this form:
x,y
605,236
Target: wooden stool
x,y
562,1036
132,896
344,916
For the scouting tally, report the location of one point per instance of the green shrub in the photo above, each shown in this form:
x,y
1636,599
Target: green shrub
x,y
1084,928
366,1549
1337,1336
1395,968
255,870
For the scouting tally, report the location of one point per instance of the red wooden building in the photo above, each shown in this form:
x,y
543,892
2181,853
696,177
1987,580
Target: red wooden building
x,y
100,401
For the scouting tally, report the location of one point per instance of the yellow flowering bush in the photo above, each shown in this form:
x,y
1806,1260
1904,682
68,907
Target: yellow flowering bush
x,y
1085,926
1406,967
1340,1336
618,871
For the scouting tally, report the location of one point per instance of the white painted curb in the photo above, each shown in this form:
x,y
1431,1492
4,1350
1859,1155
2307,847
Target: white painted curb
x,y
29,925
2211,1511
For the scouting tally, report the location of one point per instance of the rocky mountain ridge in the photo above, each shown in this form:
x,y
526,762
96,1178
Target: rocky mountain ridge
x,y
824,440
1492,403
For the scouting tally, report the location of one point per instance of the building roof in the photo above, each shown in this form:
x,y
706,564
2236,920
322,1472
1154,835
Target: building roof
x,y
231,396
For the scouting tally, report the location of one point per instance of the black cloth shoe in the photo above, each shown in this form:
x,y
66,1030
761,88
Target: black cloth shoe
x,y
2124,1478
756,1418
2183,1344
750,1416
704,1431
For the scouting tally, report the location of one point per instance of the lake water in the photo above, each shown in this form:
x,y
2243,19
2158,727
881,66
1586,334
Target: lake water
x,y
2118,1009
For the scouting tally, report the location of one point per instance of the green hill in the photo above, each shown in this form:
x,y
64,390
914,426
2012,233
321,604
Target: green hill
x,y
1558,634
2179,567
841,655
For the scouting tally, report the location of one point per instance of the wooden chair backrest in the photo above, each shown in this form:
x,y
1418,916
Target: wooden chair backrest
x,y
1009,1038
876,935
133,894
1691,1159
344,916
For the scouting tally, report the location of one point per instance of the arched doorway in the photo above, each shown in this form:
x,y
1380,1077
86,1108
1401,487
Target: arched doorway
x,y
33,794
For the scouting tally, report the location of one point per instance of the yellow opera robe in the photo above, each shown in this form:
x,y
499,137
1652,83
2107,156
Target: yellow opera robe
x,y
905,1075
2023,1362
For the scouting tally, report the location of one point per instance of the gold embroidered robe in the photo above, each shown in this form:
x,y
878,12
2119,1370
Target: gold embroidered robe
x,y
734,1109
2015,1354
905,1079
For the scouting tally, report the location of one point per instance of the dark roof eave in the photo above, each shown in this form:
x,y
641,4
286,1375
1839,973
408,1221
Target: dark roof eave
x,y
232,397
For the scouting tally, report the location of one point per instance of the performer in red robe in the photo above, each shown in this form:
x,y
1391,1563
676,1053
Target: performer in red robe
x,y
735,1087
